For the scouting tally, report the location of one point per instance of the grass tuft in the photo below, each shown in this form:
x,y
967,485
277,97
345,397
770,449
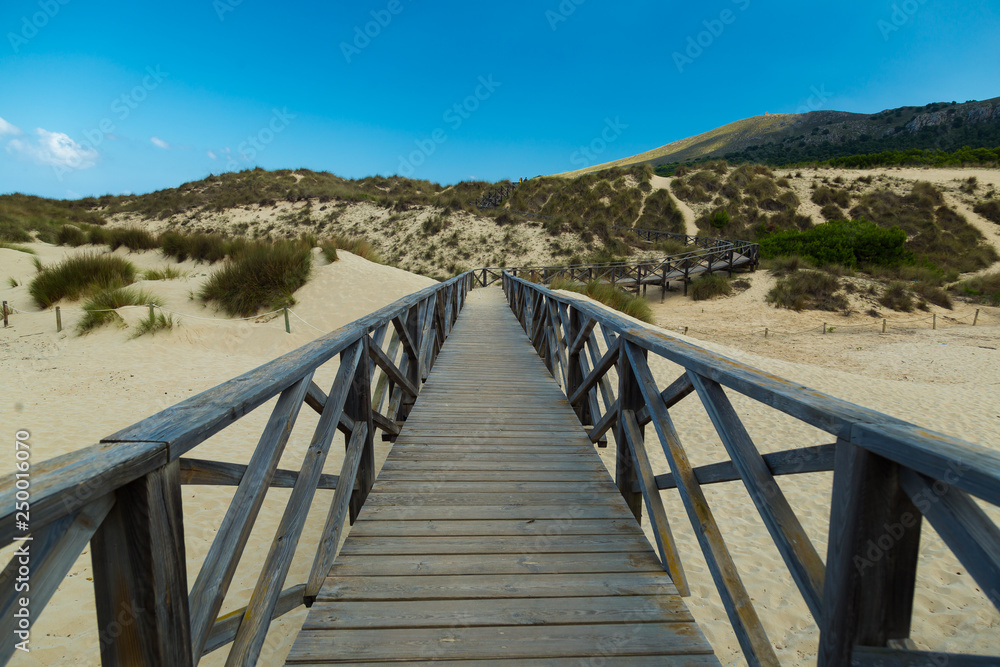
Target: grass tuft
x,y
983,289
632,305
710,287
808,290
100,308
166,273
329,249
19,248
78,276
356,246
897,296
133,238
261,276
153,323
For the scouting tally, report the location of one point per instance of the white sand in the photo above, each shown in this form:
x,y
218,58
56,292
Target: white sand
x,y
70,391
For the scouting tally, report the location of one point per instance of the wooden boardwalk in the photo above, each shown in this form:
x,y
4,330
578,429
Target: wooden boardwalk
x,y
495,533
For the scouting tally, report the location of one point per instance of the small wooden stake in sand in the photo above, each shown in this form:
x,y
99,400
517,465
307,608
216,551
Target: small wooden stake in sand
x,y
685,331
883,326
934,325
765,332
58,320
4,314
150,312
824,328
288,326
976,318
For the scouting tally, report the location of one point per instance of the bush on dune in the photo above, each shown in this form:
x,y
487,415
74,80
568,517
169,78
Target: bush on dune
x,y
984,289
78,276
133,238
709,287
808,290
632,305
260,276
356,246
100,308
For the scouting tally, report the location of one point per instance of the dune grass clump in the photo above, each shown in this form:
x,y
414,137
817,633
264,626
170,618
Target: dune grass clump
x,y
933,294
329,250
808,290
632,305
71,235
100,308
153,323
78,276
356,246
19,248
133,238
990,210
260,276
710,287
209,248
166,273
983,289
897,296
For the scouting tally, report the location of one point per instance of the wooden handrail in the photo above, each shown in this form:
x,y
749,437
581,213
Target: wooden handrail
x,y
123,494
887,472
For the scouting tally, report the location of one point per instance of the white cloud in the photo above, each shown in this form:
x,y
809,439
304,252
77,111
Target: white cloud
x,y
213,155
7,128
160,143
55,149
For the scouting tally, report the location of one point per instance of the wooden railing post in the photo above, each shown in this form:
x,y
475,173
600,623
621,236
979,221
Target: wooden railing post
x,y
871,558
575,370
629,398
359,408
140,574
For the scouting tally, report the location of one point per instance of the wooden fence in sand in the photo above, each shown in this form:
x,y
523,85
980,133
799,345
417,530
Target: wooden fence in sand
x,y
123,495
888,476
709,256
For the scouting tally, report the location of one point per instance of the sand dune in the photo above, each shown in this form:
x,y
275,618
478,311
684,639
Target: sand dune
x,y
70,391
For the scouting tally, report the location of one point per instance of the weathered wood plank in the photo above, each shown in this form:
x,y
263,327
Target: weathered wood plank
x,y
250,638
790,462
224,555
494,544
495,528
786,531
199,472
746,624
225,629
139,563
341,616
459,564
665,543
518,642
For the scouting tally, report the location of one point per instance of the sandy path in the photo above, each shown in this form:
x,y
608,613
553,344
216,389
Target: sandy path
x,y
663,183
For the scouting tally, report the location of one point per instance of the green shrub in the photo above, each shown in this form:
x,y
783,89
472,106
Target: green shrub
x,y
79,276
847,242
71,236
710,287
933,294
808,290
133,238
989,210
100,308
261,276
720,218
983,289
897,296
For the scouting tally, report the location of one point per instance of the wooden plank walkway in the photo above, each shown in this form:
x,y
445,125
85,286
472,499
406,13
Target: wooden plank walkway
x,y
494,532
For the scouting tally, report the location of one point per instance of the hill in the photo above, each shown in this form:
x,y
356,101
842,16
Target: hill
x,y
784,139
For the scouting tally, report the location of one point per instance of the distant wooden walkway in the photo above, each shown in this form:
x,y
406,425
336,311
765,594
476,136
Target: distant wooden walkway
x,y
494,532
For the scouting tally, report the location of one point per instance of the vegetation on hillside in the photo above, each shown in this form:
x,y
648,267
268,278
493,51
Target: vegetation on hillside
x,y
259,277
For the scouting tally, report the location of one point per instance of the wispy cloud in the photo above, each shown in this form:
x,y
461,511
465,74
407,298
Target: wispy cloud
x,y
212,155
7,128
55,149
160,143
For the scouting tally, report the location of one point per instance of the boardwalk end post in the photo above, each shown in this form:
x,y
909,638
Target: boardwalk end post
x,y
140,574
868,593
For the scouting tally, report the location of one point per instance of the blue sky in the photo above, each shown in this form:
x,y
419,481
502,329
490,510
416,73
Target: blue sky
x,y
108,97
